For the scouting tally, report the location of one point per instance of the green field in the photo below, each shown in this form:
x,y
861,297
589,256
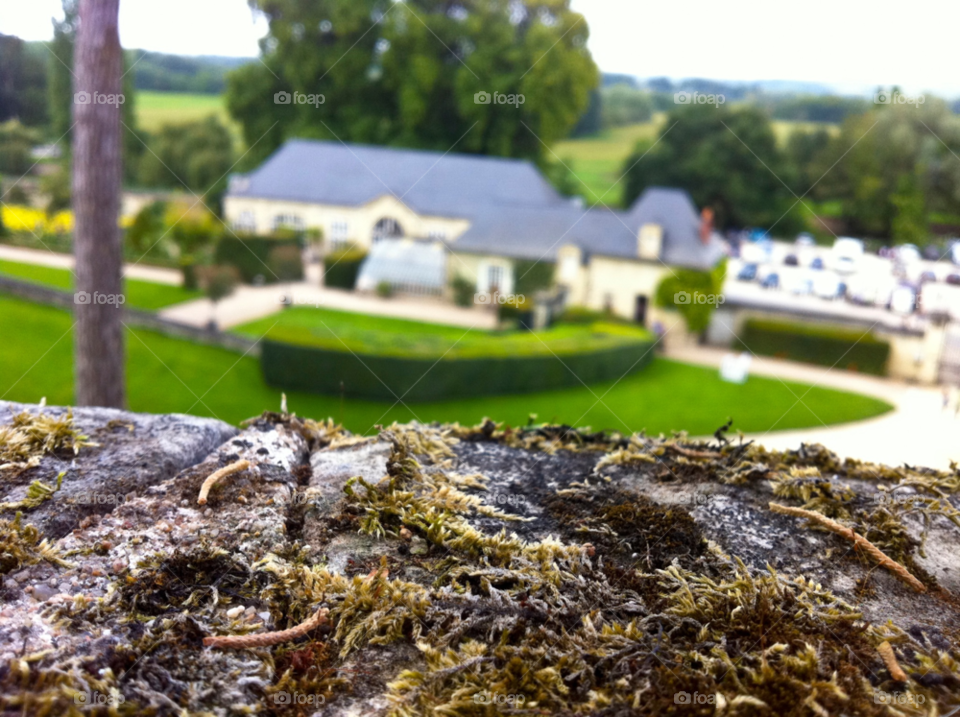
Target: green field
x,y
598,162
155,109
139,294
171,375
363,334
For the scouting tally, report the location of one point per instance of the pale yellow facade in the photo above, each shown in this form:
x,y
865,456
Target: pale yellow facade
x,y
339,224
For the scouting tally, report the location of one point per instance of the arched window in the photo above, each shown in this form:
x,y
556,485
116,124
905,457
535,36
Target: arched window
x,y
387,228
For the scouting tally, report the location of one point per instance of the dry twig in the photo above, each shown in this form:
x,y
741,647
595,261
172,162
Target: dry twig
x,y
217,475
241,642
858,540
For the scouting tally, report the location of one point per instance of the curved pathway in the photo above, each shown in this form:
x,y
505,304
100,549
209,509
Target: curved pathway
x,y
918,431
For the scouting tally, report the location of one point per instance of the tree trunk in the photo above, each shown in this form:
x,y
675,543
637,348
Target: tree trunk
x,y
96,203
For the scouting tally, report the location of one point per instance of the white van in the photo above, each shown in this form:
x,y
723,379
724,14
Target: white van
x,y
846,256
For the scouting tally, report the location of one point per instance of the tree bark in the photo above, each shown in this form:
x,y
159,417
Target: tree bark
x,y
99,369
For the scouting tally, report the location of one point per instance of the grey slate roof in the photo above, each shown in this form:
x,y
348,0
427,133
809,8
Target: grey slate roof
x,y
448,185
524,233
513,210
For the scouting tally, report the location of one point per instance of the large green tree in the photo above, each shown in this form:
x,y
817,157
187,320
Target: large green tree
x,y
727,159
23,81
896,164
195,155
406,73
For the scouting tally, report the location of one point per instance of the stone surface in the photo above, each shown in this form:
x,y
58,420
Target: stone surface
x,y
136,451
149,579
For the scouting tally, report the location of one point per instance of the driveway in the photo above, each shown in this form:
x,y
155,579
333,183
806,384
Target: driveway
x,y
917,432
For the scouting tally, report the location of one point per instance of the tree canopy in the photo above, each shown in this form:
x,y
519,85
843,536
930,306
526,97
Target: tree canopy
x,y
727,159
407,74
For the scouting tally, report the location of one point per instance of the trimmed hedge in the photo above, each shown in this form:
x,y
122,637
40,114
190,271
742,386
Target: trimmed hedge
x,y
251,255
303,368
340,268
818,344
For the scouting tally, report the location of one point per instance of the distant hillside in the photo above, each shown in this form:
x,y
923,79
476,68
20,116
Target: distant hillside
x,y
203,74
200,74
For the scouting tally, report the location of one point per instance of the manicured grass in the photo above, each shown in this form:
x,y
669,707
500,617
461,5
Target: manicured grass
x,y
170,375
139,294
363,334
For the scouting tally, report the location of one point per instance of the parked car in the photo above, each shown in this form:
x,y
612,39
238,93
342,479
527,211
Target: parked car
x,y
908,254
927,276
747,273
847,254
817,263
805,239
953,279
771,281
827,286
955,252
931,252
903,300
791,260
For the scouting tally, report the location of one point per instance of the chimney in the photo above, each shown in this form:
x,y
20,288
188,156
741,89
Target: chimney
x,y
706,225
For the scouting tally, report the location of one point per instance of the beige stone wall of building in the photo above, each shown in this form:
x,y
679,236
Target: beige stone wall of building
x,y
340,223
616,283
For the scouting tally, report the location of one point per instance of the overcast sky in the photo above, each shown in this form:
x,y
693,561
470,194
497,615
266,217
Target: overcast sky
x,y
848,44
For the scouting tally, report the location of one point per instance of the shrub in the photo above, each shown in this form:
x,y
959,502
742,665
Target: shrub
x,y
341,267
147,227
817,343
218,281
696,315
384,290
250,254
323,371
286,262
532,276
463,291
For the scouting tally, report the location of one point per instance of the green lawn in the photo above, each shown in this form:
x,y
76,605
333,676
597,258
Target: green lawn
x,y
363,334
155,109
140,294
169,375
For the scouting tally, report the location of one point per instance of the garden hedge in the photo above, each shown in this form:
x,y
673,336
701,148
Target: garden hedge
x,y
251,255
315,370
340,268
822,344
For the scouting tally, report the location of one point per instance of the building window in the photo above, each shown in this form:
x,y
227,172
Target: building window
x,y
288,221
387,228
245,222
495,278
339,234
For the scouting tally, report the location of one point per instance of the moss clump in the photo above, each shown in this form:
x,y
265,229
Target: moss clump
x,y
27,438
21,545
195,579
